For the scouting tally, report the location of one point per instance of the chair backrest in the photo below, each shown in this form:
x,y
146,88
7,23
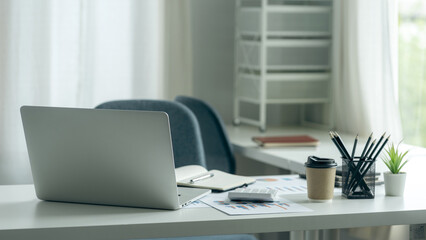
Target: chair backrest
x,y
186,136
218,150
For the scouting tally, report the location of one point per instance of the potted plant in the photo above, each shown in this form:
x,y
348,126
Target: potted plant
x,y
394,179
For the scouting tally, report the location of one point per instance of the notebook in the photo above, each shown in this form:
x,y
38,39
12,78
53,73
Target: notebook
x,y
110,157
284,141
197,176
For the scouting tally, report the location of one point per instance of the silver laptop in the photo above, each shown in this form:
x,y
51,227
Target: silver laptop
x,y
110,157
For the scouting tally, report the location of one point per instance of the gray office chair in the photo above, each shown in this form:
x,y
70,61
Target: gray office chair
x,y
186,140
217,147
186,137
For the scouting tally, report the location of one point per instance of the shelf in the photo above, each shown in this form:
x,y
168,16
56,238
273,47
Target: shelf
x,y
289,77
286,21
249,100
283,34
286,77
283,55
249,121
298,43
270,68
250,9
289,43
286,101
288,9
298,9
295,101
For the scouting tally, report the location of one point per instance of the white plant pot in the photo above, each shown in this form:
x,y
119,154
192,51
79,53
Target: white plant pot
x,y
394,183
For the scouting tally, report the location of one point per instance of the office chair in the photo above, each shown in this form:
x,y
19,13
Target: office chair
x,y
217,147
186,140
186,136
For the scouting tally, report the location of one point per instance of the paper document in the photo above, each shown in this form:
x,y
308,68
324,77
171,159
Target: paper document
x,y
222,203
285,184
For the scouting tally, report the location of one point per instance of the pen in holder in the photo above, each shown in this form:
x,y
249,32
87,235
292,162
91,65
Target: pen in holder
x,y
359,177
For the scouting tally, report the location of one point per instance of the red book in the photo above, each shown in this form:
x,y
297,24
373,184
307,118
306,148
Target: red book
x,y
286,141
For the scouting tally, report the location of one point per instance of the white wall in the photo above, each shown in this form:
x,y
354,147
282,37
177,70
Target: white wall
x,y
213,25
213,53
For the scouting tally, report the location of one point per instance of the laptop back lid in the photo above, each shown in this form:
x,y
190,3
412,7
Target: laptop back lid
x,y
111,157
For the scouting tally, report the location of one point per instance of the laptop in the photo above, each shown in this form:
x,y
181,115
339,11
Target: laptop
x,y
107,157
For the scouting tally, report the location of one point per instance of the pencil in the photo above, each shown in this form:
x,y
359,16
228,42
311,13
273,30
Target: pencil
x,y
369,149
346,158
377,145
354,147
360,165
366,145
381,148
337,145
374,160
342,145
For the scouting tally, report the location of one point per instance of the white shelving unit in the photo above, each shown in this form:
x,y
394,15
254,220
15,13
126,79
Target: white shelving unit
x,y
282,56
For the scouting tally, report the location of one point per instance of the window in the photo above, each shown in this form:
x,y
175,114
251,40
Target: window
x,y
412,67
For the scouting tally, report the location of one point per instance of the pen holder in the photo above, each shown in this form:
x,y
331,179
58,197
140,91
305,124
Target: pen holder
x,y
359,178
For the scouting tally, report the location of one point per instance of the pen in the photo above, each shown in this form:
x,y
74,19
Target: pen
x,y
209,175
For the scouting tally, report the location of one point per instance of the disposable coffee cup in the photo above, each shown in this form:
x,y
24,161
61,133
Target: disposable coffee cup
x,y
320,175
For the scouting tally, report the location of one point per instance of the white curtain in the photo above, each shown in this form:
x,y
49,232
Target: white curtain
x,y
76,54
366,80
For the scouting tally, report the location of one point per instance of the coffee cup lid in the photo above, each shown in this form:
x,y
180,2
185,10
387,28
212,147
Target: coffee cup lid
x,y
316,162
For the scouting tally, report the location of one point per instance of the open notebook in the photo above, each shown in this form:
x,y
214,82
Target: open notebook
x,y
197,176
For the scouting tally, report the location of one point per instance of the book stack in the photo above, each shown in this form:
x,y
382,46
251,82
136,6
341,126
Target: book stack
x,y
368,179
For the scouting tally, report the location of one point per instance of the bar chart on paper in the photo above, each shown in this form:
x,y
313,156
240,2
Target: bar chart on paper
x,y
222,203
291,184
285,184
250,205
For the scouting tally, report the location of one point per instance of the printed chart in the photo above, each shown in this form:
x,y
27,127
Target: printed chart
x,y
291,184
285,184
222,203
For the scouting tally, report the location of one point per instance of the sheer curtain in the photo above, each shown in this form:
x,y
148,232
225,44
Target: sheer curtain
x,y
76,54
366,81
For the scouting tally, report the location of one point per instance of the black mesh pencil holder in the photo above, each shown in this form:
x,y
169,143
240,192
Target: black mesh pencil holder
x,y
359,178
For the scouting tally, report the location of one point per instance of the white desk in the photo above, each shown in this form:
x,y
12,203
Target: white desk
x,y
290,158
22,216
293,158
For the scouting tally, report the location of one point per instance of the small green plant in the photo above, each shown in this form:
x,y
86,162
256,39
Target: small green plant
x,y
394,158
